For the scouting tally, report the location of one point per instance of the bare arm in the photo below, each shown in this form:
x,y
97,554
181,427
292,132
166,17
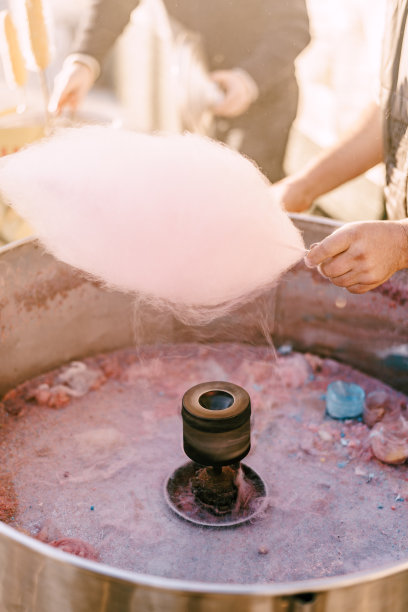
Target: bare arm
x,y
358,151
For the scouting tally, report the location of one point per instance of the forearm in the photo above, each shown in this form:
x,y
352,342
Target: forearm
x,y
358,151
103,22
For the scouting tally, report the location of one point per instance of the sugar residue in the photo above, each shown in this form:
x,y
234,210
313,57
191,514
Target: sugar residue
x,y
85,470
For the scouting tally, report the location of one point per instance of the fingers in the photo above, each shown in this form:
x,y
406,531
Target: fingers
x,y
56,100
351,278
71,101
236,97
59,101
333,245
361,288
70,87
338,266
336,260
230,105
341,280
359,256
65,93
227,108
347,269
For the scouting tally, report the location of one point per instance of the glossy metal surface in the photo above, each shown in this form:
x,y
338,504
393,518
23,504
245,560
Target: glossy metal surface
x,y
50,314
219,436
181,478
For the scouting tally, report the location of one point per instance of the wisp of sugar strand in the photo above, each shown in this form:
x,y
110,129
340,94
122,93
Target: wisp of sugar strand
x,y
181,221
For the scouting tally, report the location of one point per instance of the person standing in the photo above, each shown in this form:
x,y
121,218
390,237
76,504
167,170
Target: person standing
x,y
362,255
251,49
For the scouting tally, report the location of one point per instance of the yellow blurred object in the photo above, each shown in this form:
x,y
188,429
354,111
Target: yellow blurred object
x,y
14,137
16,131
12,226
8,111
38,33
12,57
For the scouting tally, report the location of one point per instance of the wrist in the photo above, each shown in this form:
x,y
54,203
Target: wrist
x,y
86,60
251,86
302,189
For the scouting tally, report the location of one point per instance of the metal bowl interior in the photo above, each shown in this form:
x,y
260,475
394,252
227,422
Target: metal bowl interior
x,y
51,314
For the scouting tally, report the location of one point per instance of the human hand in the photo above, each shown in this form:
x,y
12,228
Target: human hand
x,y
239,92
362,255
70,87
291,194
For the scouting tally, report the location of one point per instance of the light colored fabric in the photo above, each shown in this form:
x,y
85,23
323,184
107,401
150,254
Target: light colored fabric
x,y
394,102
89,61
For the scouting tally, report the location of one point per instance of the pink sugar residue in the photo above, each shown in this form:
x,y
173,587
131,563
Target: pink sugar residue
x,y
91,475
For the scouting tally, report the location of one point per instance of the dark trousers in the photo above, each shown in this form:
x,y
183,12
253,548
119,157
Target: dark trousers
x,y
265,128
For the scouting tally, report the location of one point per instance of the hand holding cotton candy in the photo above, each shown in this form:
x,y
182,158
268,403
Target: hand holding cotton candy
x,y
178,219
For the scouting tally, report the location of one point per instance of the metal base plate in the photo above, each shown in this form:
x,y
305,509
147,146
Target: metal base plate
x,y
181,499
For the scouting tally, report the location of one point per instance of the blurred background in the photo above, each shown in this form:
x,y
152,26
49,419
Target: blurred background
x,y
336,75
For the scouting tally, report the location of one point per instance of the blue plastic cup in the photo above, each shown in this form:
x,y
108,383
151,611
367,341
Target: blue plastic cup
x,y
344,400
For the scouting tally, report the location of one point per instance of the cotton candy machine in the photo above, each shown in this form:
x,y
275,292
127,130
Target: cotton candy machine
x,y
215,489
51,315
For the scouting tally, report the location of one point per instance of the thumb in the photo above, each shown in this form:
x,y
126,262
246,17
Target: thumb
x,y
333,245
59,95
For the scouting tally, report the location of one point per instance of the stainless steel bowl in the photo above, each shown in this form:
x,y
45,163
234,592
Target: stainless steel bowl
x,y
51,314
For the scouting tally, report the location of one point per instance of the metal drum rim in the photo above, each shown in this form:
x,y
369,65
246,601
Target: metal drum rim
x,y
320,585
171,584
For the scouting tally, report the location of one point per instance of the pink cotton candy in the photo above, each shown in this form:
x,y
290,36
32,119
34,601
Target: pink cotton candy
x,y
177,219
